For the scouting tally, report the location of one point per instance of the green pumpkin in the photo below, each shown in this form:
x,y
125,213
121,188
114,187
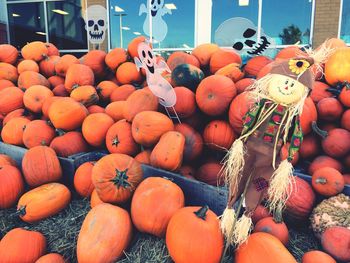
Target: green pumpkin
x,y
187,75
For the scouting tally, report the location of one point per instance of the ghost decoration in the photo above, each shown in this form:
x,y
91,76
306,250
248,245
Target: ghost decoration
x,y
241,34
157,11
96,23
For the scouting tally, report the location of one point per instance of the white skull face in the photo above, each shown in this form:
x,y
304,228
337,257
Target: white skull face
x,y
96,23
147,57
241,34
155,6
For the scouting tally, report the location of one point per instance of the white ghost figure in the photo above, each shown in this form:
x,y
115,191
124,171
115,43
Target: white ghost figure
x,y
158,10
159,86
96,23
241,34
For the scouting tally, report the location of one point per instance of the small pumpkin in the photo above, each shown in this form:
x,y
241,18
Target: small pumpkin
x,y
95,200
210,173
193,141
51,258
26,65
105,89
328,181
95,109
128,73
82,179
35,50
38,132
12,132
61,67
238,108
336,241
8,72
345,120
52,49
47,104
47,66
86,95
133,46
310,147
144,157
55,80
11,185
344,96
187,75
231,71
219,135
285,152
69,143
317,256
11,99
18,113
187,171
290,52
243,84
60,90
95,127
78,75
30,78
259,213
324,161
122,92
320,91
115,58
8,54
308,116
116,110
35,96
277,229
329,109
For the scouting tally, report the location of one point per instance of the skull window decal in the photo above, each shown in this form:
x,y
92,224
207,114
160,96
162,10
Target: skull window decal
x,y
96,23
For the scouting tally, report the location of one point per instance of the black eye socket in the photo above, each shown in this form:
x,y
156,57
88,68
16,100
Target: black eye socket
x,y
150,54
292,84
152,2
249,33
143,53
91,22
286,82
158,2
238,46
101,22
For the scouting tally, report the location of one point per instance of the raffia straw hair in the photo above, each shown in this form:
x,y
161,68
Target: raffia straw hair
x,y
242,230
227,222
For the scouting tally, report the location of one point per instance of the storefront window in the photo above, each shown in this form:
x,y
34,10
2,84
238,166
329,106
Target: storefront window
x,y
3,23
345,22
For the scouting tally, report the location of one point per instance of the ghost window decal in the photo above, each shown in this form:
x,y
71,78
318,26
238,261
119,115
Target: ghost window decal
x,y
96,23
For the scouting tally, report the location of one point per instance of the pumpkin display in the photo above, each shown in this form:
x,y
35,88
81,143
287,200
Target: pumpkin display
x,y
316,255
61,67
243,84
210,173
40,165
115,177
128,73
221,58
185,102
204,52
214,94
337,67
277,229
95,127
82,179
154,202
7,160
324,161
20,245
336,241
193,141
231,71
328,181
256,63
43,201
30,78
35,96
187,75
8,53
11,99
107,225
179,57
320,91
12,132
95,200
8,72
329,109
86,95
310,147
78,75
115,58
69,143
144,157
219,135
47,104
11,185
35,50
38,132
259,213
122,92
185,232
116,110
27,65
95,59
105,89
51,258
47,66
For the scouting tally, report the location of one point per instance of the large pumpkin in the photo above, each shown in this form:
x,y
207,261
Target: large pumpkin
x,y
238,108
35,96
27,65
18,113
11,99
127,73
308,115
185,102
290,52
219,135
277,229
11,185
86,95
12,132
115,177
105,234
4,83
47,104
7,160
38,132
78,75
185,233
83,179
336,241
154,203
95,127
42,202
328,181
61,67
40,165
317,256
337,67
193,141
95,200
8,53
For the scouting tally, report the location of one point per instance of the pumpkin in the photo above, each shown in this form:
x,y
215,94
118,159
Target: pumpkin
x,y
185,232
8,72
20,245
179,57
319,91
333,211
210,173
128,73
18,113
231,71
256,63
134,44
8,54
265,70
95,109
95,59
115,177
204,52
35,96
115,58
263,248
318,256
187,171
336,242
55,80
329,109
51,258
116,110
52,49
95,127
27,65
7,160
61,67
344,96
187,75
195,120
12,132
308,116
38,132
69,143
60,90
47,104
193,141
107,225
42,202
168,157
40,165
259,213
219,135
337,66
222,58
78,75
105,89
11,186
122,92
95,200
238,108
154,202
140,100
324,161
301,200
148,126
334,43
290,52
310,147
284,153
30,78
67,114
11,99
36,51
185,104
47,66
4,83
345,120
82,179
328,181
243,84
277,229
86,95
214,94
144,157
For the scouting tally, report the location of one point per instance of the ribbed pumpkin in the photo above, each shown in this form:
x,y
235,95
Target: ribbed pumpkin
x,y
51,258
20,245
243,84
42,202
35,96
144,157
78,75
115,58
140,100
122,92
95,200
18,113
116,110
317,256
204,52
38,132
8,53
238,108
254,65
214,94
105,89
231,71
168,156
12,132
324,161
95,127
133,45
337,67
263,248
36,51
185,232
11,99
8,72
40,165
149,126
221,58
11,185
259,213
319,91
7,160
29,78
61,67
185,102
27,65
115,177
95,59
345,120
193,141
328,181
210,173
67,114
69,143
277,229
86,95
47,66
219,135
107,225
154,203
310,147
119,139
179,57
336,241
127,73
83,179
329,109
55,80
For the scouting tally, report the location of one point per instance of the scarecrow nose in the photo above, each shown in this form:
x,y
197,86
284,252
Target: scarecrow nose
x,y
286,87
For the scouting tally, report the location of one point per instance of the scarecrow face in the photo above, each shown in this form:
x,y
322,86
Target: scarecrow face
x,y
286,90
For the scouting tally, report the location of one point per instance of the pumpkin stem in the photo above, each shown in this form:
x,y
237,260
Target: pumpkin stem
x,y
60,132
347,85
50,123
277,216
334,91
75,86
202,212
317,130
115,141
321,181
121,179
21,211
98,90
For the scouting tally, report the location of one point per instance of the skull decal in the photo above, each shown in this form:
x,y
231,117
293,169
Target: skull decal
x,y
241,34
96,23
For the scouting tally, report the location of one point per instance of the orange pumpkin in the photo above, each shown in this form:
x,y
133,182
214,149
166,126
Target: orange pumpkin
x,y
328,181
38,132
317,256
210,173
115,58
55,80
231,71
336,242
7,160
78,75
284,153
12,132
156,200
265,70
344,97
36,51
70,143
95,59
95,127
47,66
144,157
86,95
238,108
4,83
95,109
127,73
52,49
95,200
83,179
290,52
337,67
51,258
222,58
185,102
345,120
180,57
27,65
116,110
219,135
133,46
149,126
11,99
259,213
193,141
324,161
310,147
30,78
140,100
277,229
8,54
8,72
61,67
47,104
204,52
11,187
329,109
105,89
35,96
60,90
255,64
115,177
187,171
18,113
308,116
319,91
122,92
243,84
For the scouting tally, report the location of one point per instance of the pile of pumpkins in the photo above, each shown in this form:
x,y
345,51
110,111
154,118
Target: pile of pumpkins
x,y
61,105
